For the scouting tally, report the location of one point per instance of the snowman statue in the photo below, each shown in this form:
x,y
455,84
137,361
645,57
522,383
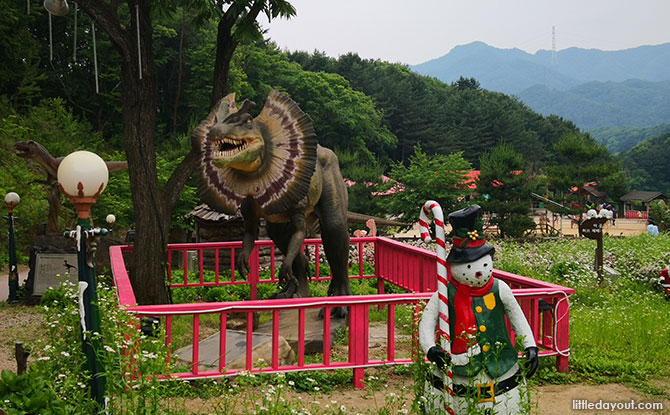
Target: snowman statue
x,y
484,375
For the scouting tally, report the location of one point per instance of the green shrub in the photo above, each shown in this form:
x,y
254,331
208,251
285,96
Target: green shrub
x,y
30,393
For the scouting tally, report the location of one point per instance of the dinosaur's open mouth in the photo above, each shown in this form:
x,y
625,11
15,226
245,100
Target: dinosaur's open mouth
x,y
228,146
21,150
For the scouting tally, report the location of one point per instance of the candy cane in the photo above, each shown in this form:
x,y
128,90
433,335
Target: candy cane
x,y
443,327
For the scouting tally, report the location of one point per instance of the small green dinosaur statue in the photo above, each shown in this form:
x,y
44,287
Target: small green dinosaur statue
x,y
272,167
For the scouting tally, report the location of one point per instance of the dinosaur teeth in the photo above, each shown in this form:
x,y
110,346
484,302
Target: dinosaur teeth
x,y
225,150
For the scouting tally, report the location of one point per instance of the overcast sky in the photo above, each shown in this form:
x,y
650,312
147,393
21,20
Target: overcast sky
x,y
415,31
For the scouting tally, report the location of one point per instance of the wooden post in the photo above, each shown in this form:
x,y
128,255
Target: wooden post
x,y
21,358
593,229
599,258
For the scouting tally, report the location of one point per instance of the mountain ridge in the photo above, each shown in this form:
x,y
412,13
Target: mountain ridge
x,y
575,66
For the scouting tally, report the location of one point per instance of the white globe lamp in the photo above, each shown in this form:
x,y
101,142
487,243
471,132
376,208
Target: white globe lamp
x,y
83,176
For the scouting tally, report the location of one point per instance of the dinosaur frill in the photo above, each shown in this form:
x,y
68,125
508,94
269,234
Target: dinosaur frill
x,y
288,158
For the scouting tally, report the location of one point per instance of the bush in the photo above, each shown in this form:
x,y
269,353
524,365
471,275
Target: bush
x,y
29,393
516,226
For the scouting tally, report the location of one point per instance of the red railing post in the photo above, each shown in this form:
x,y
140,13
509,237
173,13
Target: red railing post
x,y
254,273
223,331
195,358
562,339
358,341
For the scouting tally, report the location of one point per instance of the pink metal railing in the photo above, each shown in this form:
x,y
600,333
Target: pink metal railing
x,y
410,268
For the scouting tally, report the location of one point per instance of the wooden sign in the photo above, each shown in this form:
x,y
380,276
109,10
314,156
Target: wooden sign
x,y
592,228
52,269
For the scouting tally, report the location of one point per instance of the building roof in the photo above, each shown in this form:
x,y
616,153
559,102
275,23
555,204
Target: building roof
x,y
642,196
591,190
206,213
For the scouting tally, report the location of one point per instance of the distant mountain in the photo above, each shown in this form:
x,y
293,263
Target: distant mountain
x,y
513,70
596,105
620,139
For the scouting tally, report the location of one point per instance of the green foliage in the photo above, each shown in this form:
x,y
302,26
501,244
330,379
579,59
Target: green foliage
x,y
29,393
660,213
345,120
592,105
20,72
622,139
52,124
647,164
439,177
581,160
508,187
443,118
614,330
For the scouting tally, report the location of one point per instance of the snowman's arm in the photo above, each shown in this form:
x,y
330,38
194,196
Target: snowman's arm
x,y
428,323
515,315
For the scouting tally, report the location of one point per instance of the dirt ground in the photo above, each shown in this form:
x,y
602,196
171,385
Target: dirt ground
x,y
622,227
546,400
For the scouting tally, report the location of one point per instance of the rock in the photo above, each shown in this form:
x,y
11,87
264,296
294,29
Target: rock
x,y
264,351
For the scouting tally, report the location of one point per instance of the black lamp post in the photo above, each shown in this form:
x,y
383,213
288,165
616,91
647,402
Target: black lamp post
x,y
11,200
82,176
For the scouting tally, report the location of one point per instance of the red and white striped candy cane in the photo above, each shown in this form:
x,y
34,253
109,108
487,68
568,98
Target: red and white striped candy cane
x,y
443,327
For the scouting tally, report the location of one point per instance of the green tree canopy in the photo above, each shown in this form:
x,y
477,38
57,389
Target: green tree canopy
x,y
439,177
581,160
507,187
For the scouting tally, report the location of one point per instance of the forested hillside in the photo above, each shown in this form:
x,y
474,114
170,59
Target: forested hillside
x,y
444,118
595,105
619,139
647,164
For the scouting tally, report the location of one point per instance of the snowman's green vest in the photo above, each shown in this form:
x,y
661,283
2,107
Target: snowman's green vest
x,y
491,329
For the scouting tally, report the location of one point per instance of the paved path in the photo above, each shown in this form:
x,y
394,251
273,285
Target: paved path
x,y
4,283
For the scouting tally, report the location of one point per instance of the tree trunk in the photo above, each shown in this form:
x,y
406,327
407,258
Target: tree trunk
x,y
139,99
225,47
179,74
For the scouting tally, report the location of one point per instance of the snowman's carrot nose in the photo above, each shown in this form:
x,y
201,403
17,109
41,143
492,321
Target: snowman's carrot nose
x,y
478,274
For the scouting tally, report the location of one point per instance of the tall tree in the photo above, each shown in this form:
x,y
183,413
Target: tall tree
x,y
507,188
581,160
131,32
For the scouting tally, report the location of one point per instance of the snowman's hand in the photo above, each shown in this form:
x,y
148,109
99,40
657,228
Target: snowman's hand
x,y
531,360
438,356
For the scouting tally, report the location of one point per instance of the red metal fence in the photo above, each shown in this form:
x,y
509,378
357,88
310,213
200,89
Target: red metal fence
x,y
636,214
413,269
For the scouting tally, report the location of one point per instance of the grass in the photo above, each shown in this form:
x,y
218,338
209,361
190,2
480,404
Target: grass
x,y
618,329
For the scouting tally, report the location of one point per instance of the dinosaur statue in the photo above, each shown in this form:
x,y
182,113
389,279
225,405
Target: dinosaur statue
x,y
272,167
35,152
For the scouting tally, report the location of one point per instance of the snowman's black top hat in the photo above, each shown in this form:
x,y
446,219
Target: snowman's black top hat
x,y
469,243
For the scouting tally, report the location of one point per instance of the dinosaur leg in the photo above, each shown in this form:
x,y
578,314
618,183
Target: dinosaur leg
x,y
336,246
331,209
296,282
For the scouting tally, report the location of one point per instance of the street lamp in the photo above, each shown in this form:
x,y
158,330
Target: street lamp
x,y
82,176
110,219
11,200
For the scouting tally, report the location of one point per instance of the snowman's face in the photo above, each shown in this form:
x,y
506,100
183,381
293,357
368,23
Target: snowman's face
x,y
475,274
